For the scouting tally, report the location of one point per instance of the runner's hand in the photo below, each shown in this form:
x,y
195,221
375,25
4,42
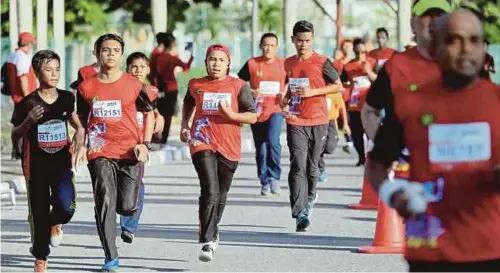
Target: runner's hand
x,y
305,91
185,134
35,114
347,129
78,156
159,124
141,152
367,67
226,110
400,201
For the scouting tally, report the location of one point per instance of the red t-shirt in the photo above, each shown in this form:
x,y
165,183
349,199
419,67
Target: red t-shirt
x,y
339,66
382,55
152,64
355,74
316,72
454,143
113,130
210,130
270,79
152,93
19,65
165,66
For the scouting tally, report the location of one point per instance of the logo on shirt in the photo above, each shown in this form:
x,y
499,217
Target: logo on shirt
x,y
413,87
427,119
95,98
198,91
64,114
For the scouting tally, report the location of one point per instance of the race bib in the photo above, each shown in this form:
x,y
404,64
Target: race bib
x,y
463,147
52,136
269,88
140,119
295,99
381,62
107,109
211,102
361,82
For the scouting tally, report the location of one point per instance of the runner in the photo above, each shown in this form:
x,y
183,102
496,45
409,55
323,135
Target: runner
x,y
165,66
338,64
402,74
221,104
383,52
310,77
87,71
21,78
160,38
451,204
336,109
138,66
266,75
358,74
41,119
110,102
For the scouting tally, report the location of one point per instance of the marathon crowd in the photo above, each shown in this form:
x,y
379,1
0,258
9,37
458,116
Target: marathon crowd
x,y
431,106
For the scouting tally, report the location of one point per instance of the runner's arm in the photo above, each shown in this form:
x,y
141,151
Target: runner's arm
x,y
82,110
388,144
379,97
187,110
145,105
20,120
247,112
24,85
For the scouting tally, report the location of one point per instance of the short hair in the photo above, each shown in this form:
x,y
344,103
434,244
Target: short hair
x,y
107,37
159,37
168,39
268,35
135,56
384,30
303,26
358,41
42,57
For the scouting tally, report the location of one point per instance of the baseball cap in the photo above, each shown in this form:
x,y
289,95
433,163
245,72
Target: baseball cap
x,y
420,7
220,47
26,38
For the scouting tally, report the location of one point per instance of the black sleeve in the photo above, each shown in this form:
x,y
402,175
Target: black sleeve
x,y
20,113
75,84
244,73
82,107
389,141
71,101
188,99
380,93
344,77
330,75
143,103
245,100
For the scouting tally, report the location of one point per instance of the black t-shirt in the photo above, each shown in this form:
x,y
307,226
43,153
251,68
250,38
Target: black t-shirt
x,y
48,139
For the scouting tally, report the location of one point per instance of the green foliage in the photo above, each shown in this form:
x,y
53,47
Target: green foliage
x,y
271,16
203,17
489,10
184,78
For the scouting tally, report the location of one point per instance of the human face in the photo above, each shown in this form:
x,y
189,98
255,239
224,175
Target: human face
x,y
382,39
217,64
139,68
421,26
269,47
111,54
303,42
347,47
49,74
360,50
339,54
461,49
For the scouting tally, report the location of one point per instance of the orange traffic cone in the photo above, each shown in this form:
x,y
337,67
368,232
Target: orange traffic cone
x,y
369,197
389,233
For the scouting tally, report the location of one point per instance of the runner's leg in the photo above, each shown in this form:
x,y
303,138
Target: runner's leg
x,y
297,140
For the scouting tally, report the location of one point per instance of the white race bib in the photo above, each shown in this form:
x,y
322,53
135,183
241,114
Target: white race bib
x,y
140,119
269,88
211,101
361,82
52,135
459,143
296,82
107,109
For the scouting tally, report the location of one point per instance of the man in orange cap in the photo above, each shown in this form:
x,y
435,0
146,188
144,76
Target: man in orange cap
x,y
21,77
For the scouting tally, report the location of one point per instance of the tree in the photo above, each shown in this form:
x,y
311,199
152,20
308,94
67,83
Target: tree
x,y
271,16
489,12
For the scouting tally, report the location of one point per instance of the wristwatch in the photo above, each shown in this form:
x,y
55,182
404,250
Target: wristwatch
x,y
148,145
